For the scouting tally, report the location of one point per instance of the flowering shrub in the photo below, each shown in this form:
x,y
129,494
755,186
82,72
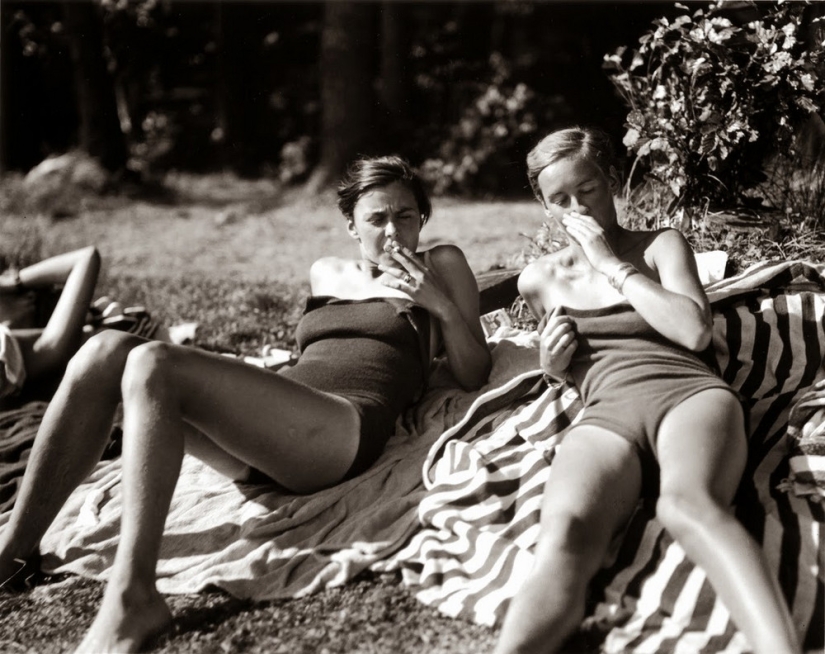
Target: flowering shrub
x,y
710,101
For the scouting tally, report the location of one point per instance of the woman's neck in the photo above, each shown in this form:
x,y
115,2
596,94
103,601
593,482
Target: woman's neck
x,y
370,269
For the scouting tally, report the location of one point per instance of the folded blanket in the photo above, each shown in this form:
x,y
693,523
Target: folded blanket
x,y
485,477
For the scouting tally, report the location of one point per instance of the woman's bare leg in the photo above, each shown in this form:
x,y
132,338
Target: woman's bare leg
x,y
70,441
702,451
593,488
301,437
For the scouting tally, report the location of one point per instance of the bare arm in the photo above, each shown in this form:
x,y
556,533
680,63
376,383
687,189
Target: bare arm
x,y
464,341
448,290
677,307
63,333
557,338
54,270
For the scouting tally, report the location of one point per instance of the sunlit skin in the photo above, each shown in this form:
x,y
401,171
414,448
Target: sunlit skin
x,y
387,223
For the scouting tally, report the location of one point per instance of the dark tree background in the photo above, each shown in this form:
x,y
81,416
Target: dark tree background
x,y
296,89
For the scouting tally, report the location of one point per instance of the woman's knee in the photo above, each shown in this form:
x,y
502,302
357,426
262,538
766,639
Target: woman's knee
x,y
682,512
148,368
104,353
570,531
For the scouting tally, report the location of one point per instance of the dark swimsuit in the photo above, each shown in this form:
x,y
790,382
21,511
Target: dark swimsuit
x,y
373,352
630,376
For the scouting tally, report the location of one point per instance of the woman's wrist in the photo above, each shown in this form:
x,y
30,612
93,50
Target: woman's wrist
x,y
618,276
555,378
11,282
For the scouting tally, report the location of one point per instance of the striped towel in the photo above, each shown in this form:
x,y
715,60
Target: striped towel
x,y
485,478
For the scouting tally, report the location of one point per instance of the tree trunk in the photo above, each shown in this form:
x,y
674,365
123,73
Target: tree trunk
x,y
99,132
347,65
394,83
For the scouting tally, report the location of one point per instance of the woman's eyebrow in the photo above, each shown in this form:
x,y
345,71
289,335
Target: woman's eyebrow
x,y
389,209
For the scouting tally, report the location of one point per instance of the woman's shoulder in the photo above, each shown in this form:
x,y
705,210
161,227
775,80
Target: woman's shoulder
x,y
538,272
664,237
332,266
328,273
445,254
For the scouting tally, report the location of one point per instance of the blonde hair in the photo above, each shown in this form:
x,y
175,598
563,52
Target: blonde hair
x,y
586,142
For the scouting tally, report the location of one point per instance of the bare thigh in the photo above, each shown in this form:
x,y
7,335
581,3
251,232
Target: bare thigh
x,y
595,482
303,438
702,445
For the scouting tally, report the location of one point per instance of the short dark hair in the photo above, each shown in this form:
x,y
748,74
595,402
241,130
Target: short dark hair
x,y
586,142
368,173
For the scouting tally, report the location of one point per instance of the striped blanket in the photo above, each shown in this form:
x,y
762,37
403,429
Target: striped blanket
x,y
485,478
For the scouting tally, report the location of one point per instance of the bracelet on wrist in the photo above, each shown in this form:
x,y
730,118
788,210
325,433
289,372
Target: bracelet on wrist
x,y
620,274
550,380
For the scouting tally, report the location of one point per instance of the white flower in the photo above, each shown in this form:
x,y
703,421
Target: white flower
x,y
631,138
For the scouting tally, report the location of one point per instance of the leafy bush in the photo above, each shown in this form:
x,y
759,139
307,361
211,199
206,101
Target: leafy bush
x,y
494,129
710,101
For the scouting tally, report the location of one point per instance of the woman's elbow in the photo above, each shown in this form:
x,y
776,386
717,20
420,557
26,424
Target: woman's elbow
x,y
698,339
91,254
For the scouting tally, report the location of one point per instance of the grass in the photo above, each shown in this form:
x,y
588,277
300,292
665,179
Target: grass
x,y
371,614
233,256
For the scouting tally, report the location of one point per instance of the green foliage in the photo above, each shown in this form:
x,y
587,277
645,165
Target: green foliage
x,y
495,127
710,101
796,179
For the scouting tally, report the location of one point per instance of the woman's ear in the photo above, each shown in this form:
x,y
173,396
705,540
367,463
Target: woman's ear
x,y
351,229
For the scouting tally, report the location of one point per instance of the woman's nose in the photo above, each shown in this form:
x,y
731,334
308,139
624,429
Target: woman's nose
x,y
575,205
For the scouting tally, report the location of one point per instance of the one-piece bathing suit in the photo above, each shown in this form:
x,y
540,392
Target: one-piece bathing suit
x,y
373,352
630,376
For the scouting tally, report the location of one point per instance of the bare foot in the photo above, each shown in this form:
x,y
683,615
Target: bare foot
x,y
126,622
